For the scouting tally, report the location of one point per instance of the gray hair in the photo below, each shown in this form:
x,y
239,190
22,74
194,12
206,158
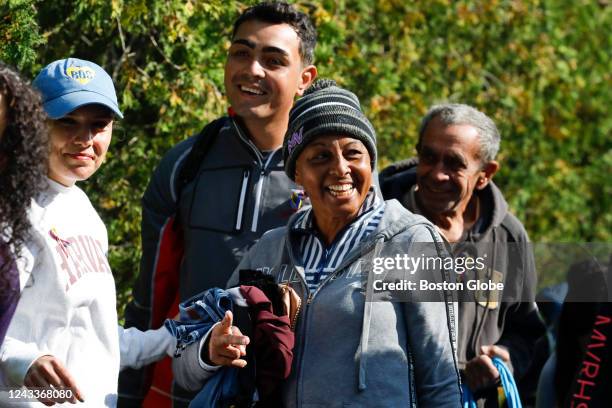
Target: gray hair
x,y
461,114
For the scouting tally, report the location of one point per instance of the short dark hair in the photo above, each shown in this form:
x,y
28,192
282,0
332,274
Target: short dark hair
x,y
283,13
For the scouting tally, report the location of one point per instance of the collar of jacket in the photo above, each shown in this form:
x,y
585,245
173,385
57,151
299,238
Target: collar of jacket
x,y
403,173
395,220
245,137
305,223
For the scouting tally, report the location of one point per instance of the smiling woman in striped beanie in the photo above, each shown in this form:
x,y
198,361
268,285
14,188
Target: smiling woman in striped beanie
x,y
388,353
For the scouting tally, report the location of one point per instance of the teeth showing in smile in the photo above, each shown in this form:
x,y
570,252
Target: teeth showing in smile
x,y
340,189
251,90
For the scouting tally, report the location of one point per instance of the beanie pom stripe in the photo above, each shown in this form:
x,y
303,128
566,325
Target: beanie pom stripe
x,y
318,100
322,122
330,104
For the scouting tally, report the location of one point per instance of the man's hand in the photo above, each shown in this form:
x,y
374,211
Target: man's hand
x,y
48,371
227,344
480,371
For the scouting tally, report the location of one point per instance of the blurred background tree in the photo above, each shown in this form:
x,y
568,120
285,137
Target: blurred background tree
x,y
540,68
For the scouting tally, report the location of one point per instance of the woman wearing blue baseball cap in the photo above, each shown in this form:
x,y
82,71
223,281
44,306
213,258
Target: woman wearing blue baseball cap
x,y
80,99
64,335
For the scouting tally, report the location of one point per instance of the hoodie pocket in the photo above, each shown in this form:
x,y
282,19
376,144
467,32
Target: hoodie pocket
x,y
220,199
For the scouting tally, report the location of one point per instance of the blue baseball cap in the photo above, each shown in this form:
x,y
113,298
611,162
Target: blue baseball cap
x,y
70,83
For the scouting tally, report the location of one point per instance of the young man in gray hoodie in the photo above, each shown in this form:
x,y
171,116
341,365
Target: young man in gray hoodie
x,y
450,184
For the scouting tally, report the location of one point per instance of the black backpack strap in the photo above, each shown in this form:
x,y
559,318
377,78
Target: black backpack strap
x,y
202,145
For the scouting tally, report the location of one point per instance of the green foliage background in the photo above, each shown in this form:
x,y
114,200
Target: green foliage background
x,y
540,68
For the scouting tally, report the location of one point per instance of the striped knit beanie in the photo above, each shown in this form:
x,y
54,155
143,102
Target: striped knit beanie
x,y
325,109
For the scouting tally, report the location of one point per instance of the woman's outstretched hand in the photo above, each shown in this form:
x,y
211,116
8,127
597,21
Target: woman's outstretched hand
x,y
226,344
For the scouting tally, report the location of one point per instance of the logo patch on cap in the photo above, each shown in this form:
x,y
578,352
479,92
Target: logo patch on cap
x,y
81,74
295,139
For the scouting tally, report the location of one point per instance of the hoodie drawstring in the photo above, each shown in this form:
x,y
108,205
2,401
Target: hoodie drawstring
x,y
362,349
363,346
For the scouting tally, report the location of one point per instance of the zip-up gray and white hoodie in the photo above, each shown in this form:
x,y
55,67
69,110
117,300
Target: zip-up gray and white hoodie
x,y
351,352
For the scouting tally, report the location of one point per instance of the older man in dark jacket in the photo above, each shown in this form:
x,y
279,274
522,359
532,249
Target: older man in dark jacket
x,y
450,184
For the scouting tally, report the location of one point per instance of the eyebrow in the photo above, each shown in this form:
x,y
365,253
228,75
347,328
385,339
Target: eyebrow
x,y
268,49
275,50
245,42
325,145
453,157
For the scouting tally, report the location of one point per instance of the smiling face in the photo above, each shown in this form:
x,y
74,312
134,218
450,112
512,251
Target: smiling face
x,y
336,174
450,168
264,71
78,143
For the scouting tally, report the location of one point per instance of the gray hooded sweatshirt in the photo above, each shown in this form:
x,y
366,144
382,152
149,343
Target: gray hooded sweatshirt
x,y
350,352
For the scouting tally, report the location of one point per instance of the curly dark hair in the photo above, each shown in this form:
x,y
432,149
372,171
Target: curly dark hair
x,y
24,153
283,13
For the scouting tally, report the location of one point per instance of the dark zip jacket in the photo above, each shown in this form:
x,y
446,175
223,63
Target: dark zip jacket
x,y
237,195
513,323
